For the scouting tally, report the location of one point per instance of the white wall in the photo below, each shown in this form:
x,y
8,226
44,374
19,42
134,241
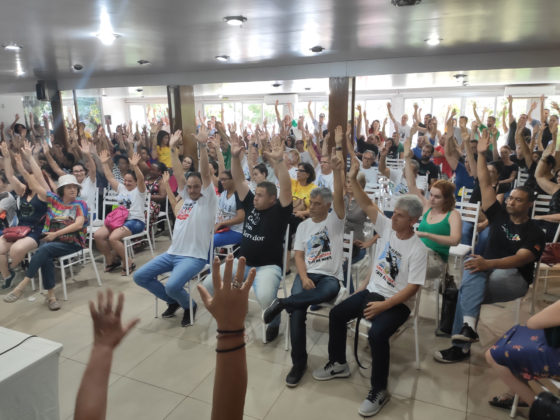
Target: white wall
x,y
9,106
117,108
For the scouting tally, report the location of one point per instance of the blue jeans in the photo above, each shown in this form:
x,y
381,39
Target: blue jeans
x,y
229,237
466,237
182,270
500,285
326,288
265,286
43,259
383,326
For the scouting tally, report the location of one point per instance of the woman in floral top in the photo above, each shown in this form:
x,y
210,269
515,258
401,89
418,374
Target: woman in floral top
x,y
64,231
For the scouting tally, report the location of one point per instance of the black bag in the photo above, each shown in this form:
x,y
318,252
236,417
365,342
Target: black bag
x,y
372,297
545,407
448,305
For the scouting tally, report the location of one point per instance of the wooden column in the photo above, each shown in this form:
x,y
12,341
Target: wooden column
x,y
338,107
57,114
182,116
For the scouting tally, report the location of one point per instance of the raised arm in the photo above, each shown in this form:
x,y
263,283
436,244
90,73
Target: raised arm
x,y
542,174
202,140
15,183
27,154
311,149
89,162
511,117
383,169
504,125
359,127
104,157
241,186
175,163
476,114
486,190
310,112
338,173
276,157
170,196
30,179
278,117
395,123
451,150
50,160
541,103
368,206
522,145
140,184
471,161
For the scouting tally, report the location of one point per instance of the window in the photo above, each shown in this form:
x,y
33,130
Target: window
x,y
484,105
376,110
424,107
519,107
252,114
440,107
212,110
137,113
89,110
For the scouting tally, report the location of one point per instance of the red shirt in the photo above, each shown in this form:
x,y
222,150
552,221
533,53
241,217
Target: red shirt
x,y
445,168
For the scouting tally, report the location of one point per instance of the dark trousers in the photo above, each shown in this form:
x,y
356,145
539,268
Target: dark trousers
x,y
43,259
383,326
326,288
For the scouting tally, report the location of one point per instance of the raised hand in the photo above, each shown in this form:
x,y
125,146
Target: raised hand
x,y
165,177
230,301
510,99
338,135
174,139
533,106
483,142
277,153
104,157
354,168
336,162
389,105
237,145
4,149
202,136
108,330
27,149
134,159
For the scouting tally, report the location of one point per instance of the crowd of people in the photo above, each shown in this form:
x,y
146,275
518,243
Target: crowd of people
x,y
247,190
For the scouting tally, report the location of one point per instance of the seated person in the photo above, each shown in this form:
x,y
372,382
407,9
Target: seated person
x,y
266,218
259,174
190,244
386,299
505,270
527,352
132,195
301,189
366,167
549,221
318,258
229,220
426,165
64,231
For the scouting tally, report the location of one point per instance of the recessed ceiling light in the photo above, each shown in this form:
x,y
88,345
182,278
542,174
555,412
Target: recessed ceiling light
x,y
139,89
317,49
143,62
277,84
222,58
12,47
433,40
235,20
307,88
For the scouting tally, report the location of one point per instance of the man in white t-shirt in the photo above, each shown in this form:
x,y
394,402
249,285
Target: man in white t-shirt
x,y
319,259
190,245
399,270
403,128
366,167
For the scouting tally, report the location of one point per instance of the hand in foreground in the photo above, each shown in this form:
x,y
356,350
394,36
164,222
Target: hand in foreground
x,y
307,283
108,330
354,168
477,263
230,301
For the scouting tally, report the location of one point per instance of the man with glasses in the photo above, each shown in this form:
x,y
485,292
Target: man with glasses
x,y
366,167
321,125
505,270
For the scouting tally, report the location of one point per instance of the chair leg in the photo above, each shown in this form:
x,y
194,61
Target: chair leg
x,y
94,267
150,244
263,332
416,348
169,227
63,276
71,267
156,308
534,295
287,335
517,310
513,411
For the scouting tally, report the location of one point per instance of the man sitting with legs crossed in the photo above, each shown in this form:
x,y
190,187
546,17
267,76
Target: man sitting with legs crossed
x,y
399,270
505,270
266,219
318,258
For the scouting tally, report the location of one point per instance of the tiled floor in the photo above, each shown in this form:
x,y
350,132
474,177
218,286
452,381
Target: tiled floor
x,y
163,371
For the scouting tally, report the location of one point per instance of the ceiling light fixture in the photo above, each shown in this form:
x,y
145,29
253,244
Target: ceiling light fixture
x,y
235,20
12,47
460,77
433,40
222,58
401,3
106,34
143,62
276,84
317,49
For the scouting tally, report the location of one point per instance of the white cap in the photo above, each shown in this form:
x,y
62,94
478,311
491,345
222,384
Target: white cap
x,y
68,180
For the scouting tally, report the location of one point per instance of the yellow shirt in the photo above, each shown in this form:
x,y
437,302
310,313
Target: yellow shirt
x,y
164,155
301,192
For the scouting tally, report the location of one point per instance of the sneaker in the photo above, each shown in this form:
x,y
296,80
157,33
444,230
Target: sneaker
x,y
8,281
453,354
271,332
295,375
332,370
374,403
467,335
272,311
53,304
186,321
171,309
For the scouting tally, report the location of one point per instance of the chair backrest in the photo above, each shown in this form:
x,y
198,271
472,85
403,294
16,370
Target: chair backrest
x,y
466,195
469,213
286,253
422,182
394,163
148,209
109,199
541,205
347,243
522,177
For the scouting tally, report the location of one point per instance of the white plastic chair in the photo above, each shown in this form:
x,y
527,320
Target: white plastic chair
x,y
162,218
394,163
522,177
541,205
130,241
469,213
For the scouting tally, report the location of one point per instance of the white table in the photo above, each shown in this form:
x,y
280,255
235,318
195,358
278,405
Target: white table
x,y
28,377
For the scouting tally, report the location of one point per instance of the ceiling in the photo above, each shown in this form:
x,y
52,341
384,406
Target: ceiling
x,y
181,39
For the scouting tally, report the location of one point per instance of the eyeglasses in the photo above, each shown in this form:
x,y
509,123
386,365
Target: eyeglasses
x,y
78,172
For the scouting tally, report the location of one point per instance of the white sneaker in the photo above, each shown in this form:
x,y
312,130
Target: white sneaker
x,y
332,370
374,403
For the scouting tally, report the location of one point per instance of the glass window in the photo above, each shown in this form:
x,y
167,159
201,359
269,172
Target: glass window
x,y
39,109
376,110
89,111
440,107
252,114
270,117
519,107
212,110
137,113
424,106
484,105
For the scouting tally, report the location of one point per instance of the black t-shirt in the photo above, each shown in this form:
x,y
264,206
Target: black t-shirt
x,y
546,135
506,238
263,232
364,145
477,195
511,134
428,168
